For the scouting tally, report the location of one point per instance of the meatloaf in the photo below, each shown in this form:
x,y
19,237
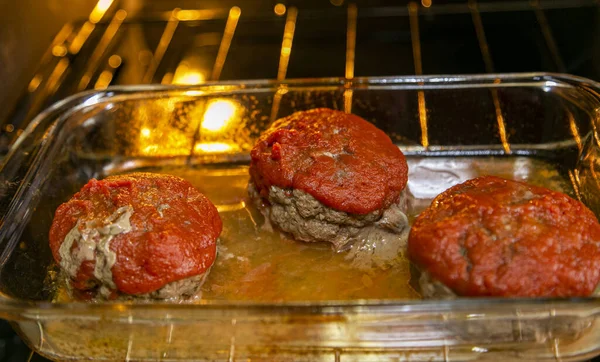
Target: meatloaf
x,y
140,235
491,236
329,176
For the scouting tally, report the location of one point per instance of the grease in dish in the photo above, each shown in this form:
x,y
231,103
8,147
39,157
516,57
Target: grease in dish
x,y
323,176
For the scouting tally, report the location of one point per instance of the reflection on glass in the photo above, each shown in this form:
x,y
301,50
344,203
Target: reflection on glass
x,y
180,126
219,114
575,131
500,118
222,129
164,127
215,147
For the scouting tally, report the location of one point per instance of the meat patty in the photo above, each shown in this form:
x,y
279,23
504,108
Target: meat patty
x,y
139,235
325,175
495,237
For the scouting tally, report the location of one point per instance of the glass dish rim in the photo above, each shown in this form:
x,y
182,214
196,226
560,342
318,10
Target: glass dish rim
x,y
11,308
433,81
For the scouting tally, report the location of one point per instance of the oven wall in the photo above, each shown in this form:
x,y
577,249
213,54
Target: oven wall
x,y
26,29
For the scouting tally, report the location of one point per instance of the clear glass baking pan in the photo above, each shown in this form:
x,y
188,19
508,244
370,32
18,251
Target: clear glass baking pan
x,y
536,127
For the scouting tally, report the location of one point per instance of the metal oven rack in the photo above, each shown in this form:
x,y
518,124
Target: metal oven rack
x,y
122,44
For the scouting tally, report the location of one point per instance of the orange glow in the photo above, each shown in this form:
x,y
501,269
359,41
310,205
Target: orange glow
x,y
426,3
279,9
162,46
235,12
156,135
351,40
186,74
423,118
104,79
114,61
214,147
185,15
167,78
191,77
232,20
59,51
81,37
416,46
286,44
35,83
575,131
120,307
500,118
99,10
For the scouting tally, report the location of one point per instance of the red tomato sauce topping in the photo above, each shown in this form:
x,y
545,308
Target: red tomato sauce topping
x,y
340,159
173,234
495,237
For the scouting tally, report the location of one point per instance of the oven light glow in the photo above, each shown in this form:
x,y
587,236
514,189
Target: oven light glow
x,y
188,72
213,147
150,149
219,114
190,77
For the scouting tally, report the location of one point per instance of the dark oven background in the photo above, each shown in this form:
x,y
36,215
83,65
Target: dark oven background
x,y
50,49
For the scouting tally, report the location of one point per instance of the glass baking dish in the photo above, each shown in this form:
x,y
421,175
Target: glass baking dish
x,y
536,127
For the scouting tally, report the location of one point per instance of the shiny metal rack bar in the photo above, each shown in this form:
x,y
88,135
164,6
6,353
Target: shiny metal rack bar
x,y
413,11
489,67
